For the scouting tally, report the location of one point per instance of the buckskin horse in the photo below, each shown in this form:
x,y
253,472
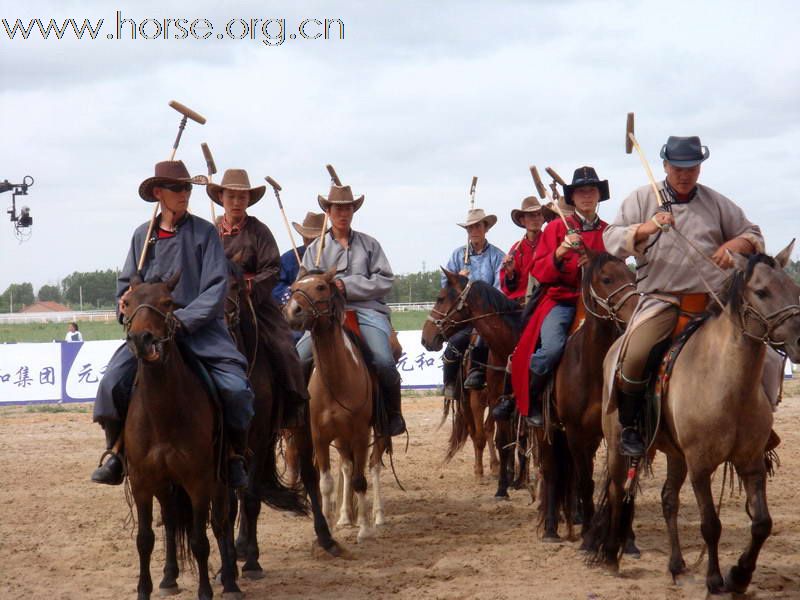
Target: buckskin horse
x,y
714,411
264,484
173,448
342,391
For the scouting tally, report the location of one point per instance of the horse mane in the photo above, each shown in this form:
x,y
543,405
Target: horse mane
x,y
733,288
599,260
498,302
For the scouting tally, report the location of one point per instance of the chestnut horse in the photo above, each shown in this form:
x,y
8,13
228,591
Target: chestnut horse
x,y
264,484
342,391
714,411
172,441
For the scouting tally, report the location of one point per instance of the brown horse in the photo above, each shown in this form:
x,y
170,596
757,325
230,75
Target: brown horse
x,y
714,411
264,484
172,447
341,391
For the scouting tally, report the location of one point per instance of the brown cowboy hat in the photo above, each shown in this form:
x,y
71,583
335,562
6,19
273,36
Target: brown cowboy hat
x,y
167,172
235,179
476,215
529,205
312,225
549,211
340,194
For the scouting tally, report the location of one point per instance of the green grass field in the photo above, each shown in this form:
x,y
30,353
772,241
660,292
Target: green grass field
x,y
97,330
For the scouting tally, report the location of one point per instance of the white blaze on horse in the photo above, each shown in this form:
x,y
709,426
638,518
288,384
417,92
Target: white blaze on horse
x,y
341,391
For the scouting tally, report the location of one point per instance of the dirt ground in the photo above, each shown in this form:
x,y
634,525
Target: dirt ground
x,y
62,537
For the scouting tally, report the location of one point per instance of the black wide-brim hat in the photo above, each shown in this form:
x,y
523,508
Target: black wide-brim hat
x,y
684,151
584,176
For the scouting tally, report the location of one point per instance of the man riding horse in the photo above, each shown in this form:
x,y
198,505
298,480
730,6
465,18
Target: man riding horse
x,y
673,278
557,265
479,261
257,253
186,244
364,277
515,272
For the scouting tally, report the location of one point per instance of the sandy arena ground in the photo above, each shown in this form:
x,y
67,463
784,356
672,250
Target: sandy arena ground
x,y
62,537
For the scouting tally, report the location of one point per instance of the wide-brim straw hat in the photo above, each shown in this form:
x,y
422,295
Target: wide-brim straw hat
x,y
237,180
340,194
529,205
476,215
582,177
166,172
312,225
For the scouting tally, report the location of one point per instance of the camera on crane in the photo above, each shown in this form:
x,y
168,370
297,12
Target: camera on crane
x,y
22,221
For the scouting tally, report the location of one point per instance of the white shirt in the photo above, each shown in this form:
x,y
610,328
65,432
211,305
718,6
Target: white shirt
x,y
73,336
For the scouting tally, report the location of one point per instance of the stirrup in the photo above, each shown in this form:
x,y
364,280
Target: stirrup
x,y
633,448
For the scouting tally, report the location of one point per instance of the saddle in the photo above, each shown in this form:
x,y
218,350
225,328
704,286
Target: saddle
x,y
351,325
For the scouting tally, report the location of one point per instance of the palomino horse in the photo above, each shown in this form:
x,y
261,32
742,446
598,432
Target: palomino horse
x,y
264,484
341,391
715,411
172,447
608,295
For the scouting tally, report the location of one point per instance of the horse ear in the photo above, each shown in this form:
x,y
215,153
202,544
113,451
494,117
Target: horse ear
x,y
782,258
136,281
451,276
173,281
739,260
302,272
590,254
329,274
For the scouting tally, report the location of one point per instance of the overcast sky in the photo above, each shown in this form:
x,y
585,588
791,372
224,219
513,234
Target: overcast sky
x,y
416,99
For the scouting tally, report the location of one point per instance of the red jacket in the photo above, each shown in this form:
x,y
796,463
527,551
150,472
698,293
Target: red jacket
x,y
522,251
563,279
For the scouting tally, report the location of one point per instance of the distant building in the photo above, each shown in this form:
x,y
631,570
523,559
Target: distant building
x,y
46,306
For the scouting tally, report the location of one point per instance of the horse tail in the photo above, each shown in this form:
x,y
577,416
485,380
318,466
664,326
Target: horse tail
x,y
266,482
179,506
462,421
605,542
557,463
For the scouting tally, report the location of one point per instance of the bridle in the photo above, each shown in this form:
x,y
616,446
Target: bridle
x,y
170,321
769,322
446,320
608,304
316,313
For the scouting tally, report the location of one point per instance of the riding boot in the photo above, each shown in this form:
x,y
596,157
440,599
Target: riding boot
x,y
504,410
476,379
630,440
112,472
535,416
451,364
392,398
237,472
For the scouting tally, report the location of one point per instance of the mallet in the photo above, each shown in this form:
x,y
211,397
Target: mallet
x,y
212,169
630,144
187,113
472,187
336,181
276,187
537,181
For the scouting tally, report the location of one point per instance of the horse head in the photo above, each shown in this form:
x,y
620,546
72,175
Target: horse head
x,y
149,322
766,300
608,288
448,311
314,299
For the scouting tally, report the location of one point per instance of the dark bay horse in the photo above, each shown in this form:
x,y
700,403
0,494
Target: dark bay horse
x,y
264,484
342,393
714,411
173,448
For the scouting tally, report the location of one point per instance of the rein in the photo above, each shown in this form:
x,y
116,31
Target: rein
x,y
769,322
607,303
326,312
446,320
169,320
233,319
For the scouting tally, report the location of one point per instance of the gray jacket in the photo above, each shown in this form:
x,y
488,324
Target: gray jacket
x,y
363,267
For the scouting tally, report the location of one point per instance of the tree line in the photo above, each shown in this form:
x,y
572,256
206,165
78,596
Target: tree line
x,y
98,289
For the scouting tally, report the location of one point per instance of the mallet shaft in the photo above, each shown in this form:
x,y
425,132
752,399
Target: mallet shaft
x,y
277,188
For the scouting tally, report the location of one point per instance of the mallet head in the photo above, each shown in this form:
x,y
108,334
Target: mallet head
x,y
537,181
334,176
556,177
473,185
629,134
187,112
212,166
275,185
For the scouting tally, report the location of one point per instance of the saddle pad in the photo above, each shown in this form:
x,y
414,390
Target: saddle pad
x,y
691,307
351,323
580,317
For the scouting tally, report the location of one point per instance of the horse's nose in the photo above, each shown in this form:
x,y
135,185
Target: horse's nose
x,y
142,342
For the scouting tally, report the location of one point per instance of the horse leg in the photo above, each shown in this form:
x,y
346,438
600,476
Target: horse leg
x,y
241,538
200,545
326,487
489,433
291,457
223,507
251,508
346,478
145,540
310,478
359,485
375,467
582,458
755,484
169,584
550,494
523,476
502,441
476,407
710,527
670,504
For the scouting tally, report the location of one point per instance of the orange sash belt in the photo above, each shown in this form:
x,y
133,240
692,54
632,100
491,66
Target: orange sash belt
x,y
692,305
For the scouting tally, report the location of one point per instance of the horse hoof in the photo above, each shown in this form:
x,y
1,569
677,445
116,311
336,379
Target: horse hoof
x,y
715,584
380,520
253,574
334,550
170,590
737,580
551,539
502,496
364,533
232,595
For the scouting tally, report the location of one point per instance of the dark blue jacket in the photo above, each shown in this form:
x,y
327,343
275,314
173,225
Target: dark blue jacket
x,y
289,270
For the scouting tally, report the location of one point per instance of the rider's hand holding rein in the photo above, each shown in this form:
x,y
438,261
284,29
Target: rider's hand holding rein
x,y
723,259
661,221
